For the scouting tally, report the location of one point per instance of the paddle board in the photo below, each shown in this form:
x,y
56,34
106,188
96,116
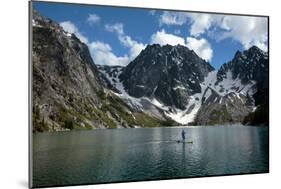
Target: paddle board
x,y
180,141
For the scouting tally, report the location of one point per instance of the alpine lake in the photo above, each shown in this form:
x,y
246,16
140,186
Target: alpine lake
x,y
122,155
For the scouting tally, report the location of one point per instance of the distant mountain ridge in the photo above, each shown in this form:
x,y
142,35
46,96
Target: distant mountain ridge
x,y
189,90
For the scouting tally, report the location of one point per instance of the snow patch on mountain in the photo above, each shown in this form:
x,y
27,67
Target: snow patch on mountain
x,y
156,103
114,80
210,85
227,85
186,116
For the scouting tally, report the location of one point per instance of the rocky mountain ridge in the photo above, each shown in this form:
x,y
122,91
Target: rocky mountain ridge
x,y
227,95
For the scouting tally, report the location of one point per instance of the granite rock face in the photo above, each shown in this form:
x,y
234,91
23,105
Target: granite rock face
x,y
69,92
168,73
243,84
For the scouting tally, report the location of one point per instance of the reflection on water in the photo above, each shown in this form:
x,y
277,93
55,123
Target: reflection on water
x,y
99,156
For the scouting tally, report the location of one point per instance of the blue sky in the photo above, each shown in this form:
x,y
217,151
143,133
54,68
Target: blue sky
x,y
117,35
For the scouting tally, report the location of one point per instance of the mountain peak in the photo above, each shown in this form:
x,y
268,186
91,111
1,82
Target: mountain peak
x,y
254,48
169,74
247,65
154,45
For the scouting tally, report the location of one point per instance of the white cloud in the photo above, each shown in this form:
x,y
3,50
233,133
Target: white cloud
x,y
201,47
117,27
200,23
246,30
71,28
68,27
163,38
134,47
102,54
172,18
93,19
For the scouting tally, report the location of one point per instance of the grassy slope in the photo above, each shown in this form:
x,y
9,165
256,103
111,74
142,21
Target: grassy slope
x,y
112,111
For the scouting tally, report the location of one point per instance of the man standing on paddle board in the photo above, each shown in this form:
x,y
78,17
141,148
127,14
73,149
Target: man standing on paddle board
x,y
183,135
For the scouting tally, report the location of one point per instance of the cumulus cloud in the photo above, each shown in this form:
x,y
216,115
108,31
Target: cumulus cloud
x,y
172,18
163,38
201,47
68,27
93,19
200,23
117,27
71,28
246,30
134,47
102,54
